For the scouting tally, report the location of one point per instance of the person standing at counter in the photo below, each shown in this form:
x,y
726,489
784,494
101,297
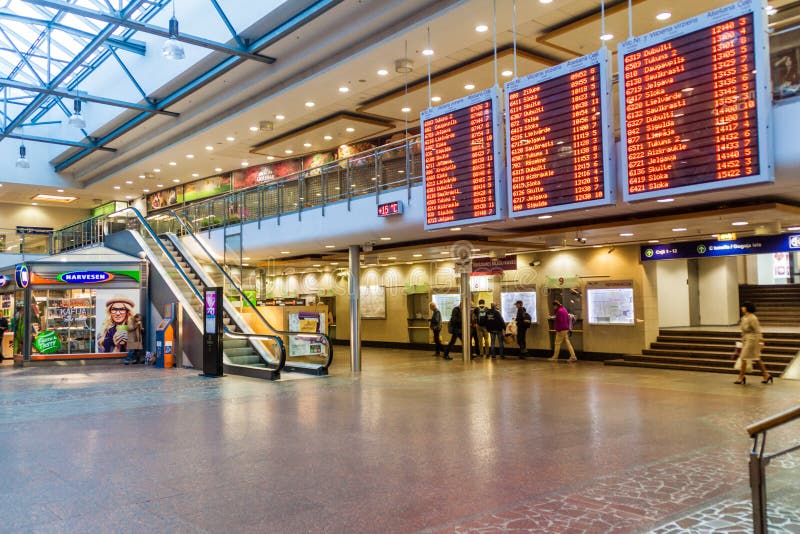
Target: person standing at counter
x,y
496,325
436,327
561,326
523,320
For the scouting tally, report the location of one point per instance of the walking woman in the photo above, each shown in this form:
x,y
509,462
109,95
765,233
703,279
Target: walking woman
x,y
752,340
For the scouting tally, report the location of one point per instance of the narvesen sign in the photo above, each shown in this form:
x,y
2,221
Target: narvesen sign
x,y
709,249
85,277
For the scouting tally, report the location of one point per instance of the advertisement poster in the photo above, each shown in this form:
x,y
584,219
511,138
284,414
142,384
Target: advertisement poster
x,y
373,302
310,323
508,308
114,308
781,267
314,162
208,187
266,174
164,199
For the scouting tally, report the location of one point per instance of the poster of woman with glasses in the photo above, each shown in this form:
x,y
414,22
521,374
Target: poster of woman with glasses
x,y
114,308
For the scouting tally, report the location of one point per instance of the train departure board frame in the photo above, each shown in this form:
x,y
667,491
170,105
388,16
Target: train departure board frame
x,y
462,164
560,138
695,105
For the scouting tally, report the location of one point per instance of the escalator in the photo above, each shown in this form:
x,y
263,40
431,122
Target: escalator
x,y
174,278
237,354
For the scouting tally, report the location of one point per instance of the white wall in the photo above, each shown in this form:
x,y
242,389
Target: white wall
x,y
764,268
13,215
719,291
673,293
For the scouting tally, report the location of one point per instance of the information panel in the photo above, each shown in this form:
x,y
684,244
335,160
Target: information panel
x,y
461,169
560,137
695,105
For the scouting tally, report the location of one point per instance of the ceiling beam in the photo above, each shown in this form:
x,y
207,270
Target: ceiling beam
x,y
131,45
64,142
153,30
83,96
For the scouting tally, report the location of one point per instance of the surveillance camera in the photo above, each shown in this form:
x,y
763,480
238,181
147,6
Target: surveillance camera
x,y
581,240
535,263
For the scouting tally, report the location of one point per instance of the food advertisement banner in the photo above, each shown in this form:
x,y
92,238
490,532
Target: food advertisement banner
x,y
266,174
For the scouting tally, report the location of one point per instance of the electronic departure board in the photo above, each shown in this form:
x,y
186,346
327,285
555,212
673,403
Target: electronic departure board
x,y
461,171
559,136
695,104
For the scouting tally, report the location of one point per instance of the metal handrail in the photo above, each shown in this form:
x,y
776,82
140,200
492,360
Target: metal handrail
x,y
759,461
189,231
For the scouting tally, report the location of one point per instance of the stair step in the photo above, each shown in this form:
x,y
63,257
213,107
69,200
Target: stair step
x,y
721,347
246,360
230,343
727,363
673,367
239,351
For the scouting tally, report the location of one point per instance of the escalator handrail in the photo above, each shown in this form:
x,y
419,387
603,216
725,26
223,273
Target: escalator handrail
x,y
244,335
146,225
263,319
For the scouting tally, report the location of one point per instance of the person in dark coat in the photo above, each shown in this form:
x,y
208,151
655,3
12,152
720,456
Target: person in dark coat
x,y
523,320
436,327
496,326
455,329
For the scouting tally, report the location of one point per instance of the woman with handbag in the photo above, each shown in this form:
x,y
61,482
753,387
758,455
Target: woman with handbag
x,y
752,341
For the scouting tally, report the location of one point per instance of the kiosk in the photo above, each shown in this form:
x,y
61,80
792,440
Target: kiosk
x,y
167,336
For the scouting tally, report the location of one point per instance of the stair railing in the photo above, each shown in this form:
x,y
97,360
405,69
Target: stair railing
x,y
759,461
189,231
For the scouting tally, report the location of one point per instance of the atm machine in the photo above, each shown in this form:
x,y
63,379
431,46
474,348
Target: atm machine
x,y
168,352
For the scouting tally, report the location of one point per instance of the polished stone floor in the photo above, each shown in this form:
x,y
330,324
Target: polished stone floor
x,y
414,444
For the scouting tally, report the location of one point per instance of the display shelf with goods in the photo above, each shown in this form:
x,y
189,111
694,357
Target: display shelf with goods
x,y
7,306
71,315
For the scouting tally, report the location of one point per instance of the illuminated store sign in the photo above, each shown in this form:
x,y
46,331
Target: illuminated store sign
x,y
695,103
22,276
85,277
82,277
461,171
560,137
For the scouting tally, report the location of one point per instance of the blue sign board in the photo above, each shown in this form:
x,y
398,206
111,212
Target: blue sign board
x,y
85,277
712,249
22,276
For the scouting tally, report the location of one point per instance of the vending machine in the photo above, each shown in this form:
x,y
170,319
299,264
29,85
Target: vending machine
x,y
167,336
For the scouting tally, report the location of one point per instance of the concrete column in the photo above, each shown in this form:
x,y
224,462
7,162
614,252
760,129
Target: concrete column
x,y
355,311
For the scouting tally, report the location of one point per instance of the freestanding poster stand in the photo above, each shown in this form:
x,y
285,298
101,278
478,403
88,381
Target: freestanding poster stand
x,y
212,332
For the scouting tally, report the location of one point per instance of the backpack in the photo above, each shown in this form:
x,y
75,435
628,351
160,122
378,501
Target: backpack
x,y
526,318
483,317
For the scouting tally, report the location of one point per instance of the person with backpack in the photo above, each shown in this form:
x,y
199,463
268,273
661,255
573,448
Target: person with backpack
x,y
436,327
523,321
482,320
561,324
455,329
496,326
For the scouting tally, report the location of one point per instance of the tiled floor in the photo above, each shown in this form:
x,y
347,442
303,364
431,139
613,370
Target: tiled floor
x,y
414,444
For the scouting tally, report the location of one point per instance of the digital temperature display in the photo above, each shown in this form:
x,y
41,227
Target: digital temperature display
x,y
694,100
560,142
461,161
390,208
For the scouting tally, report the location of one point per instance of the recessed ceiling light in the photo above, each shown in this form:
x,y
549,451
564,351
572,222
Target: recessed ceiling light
x,y
129,182
545,217
350,129
469,86
176,180
317,265
189,156
142,176
34,203
172,163
230,138
55,198
247,258
405,109
793,228
480,28
289,151
427,52
664,15
606,36
195,175
386,239
456,229
156,170
507,73
254,128
739,223
444,252
771,10
665,200
128,197
417,255
145,190
217,169
285,252
330,246
626,234
383,72
436,99
307,145
679,229
476,250
392,258
117,187
344,89
545,1
159,185
58,190
327,138
270,158
244,164
334,263
209,148
310,104
653,241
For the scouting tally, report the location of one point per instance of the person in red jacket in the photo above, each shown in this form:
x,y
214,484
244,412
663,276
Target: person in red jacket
x,y
561,325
